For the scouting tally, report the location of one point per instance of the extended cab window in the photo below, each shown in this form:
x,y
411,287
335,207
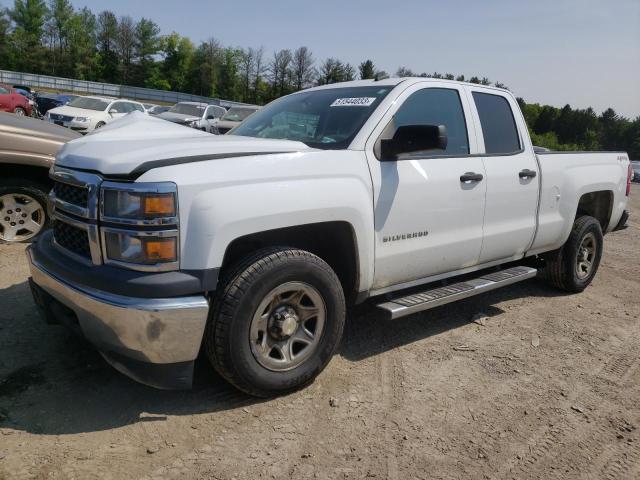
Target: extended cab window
x,y
498,125
437,106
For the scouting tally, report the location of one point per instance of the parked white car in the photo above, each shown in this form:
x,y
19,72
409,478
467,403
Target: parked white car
x,y
248,246
85,114
194,114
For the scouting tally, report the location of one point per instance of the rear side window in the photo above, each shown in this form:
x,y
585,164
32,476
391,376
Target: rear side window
x,y
437,106
3,90
498,125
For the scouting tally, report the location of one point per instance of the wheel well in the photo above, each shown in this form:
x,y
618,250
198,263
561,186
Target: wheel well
x,y
27,172
334,242
597,205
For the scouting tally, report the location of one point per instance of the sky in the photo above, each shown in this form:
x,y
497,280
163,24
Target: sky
x,y
580,52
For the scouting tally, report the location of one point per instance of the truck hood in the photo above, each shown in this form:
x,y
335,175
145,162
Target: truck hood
x,y
137,142
177,117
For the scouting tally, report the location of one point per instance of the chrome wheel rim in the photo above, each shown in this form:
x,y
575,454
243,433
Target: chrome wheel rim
x,y
21,217
287,326
19,112
586,256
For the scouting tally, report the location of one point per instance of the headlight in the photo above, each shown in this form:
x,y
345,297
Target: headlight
x,y
140,225
157,249
153,204
81,119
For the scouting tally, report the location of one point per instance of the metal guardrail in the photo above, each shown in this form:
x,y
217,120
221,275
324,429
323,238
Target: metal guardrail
x,y
85,87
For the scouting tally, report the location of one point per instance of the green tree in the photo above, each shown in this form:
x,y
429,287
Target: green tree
x,y
367,70
107,58
6,53
81,37
125,42
146,46
28,17
178,53
57,30
227,85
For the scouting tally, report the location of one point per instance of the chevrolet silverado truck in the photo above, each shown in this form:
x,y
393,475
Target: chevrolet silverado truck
x,y
248,247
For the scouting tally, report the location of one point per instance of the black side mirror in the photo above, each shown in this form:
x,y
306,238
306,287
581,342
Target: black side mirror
x,y
210,117
414,138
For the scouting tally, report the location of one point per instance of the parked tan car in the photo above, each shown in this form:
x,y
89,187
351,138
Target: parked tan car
x,y
27,149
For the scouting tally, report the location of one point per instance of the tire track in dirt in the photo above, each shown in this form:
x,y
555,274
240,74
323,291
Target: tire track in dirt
x,y
558,442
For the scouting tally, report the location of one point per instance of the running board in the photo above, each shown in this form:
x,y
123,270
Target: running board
x,y
417,302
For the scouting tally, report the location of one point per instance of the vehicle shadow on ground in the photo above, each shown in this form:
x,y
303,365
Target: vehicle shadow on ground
x,y
361,341
53,383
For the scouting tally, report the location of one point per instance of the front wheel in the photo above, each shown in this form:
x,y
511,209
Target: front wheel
x,y
276,322
572,267
19,111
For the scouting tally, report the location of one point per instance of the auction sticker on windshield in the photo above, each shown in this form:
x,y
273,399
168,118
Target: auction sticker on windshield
x,y
353,102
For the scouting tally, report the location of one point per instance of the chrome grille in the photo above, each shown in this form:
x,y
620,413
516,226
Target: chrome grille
x,y
75,202
71,194
60,118
72,238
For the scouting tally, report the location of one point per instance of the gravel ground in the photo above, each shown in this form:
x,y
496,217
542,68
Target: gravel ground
x,y
546,386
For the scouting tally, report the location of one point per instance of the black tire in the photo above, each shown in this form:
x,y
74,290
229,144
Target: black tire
x,y
227,343
35,190
561,265
99,125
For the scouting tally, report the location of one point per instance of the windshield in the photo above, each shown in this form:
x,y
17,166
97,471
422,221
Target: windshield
x,y
89,103
238,114
327,119
188,109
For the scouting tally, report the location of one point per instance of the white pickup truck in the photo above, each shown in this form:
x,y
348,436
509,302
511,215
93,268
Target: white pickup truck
x,y
248,247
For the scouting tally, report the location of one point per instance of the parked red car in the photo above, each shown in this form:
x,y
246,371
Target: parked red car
x,y
11,101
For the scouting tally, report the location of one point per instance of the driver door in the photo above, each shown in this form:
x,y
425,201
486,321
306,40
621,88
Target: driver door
x,y
428,219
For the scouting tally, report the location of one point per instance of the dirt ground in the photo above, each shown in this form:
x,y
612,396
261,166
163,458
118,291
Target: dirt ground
x,y
548,386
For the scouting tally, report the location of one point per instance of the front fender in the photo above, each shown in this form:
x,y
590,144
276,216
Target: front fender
x,y
222,200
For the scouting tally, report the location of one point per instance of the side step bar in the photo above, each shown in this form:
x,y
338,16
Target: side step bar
x,y
417,302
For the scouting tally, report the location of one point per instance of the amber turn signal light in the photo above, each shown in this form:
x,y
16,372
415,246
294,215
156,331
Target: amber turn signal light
x,y
159,205
160,250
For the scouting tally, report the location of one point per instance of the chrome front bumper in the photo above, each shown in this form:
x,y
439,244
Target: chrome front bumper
x,y
143,330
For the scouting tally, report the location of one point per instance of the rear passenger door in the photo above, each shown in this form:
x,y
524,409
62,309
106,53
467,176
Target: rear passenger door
x,y
512,175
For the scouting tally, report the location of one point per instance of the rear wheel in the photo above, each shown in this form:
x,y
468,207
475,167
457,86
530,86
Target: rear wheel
x,y
573,266
276,322
23,210
20,111
99,125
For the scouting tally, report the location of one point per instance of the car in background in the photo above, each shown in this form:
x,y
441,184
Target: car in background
x,y
85,114
635,165
12,102
232,118
30,95
47,101
158,109
194,114
28,150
